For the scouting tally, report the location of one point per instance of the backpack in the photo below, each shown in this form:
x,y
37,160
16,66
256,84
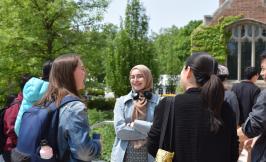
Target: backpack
x,y
39,123
11,116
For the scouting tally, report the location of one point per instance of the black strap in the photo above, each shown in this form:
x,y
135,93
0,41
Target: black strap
x,y
52,106
169,113
66,156
172,114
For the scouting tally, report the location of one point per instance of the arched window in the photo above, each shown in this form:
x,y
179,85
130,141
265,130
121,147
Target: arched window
x,y
247,42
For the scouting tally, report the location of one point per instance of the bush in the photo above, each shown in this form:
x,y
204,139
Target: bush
x,y
95,91
107,131
96,116
101,103
108,135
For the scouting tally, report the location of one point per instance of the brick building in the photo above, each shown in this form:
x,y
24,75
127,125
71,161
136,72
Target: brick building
x,y
248,38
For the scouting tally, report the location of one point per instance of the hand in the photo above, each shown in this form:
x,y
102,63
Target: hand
x,y
132,124
242,136
248,144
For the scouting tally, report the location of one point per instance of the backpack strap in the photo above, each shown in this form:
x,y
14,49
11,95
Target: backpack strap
x,y
68,99
52,107
168,115
63,102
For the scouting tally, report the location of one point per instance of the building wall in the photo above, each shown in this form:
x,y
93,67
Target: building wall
x,y
252,9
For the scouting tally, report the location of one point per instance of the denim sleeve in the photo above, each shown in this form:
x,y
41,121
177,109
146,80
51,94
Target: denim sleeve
x,y
123,131
81,146
256,121
142,126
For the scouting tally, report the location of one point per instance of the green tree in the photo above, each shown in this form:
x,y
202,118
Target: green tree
x,y
173,46
130,47
33,31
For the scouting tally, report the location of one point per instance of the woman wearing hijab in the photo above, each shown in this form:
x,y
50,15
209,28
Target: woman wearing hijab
x,y
133,116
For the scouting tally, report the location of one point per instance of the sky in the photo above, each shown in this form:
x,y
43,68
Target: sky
x,y
165,13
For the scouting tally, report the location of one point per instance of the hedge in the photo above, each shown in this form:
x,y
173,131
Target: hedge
x,y
100,103
107,131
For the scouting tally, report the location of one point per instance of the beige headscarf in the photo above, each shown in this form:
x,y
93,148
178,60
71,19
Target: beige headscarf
x,y
140,105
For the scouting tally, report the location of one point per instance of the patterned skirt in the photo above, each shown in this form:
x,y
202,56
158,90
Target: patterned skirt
x,y
136,155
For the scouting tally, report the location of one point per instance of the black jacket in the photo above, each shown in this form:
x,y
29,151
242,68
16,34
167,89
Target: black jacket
x,y
247,93
192,139
255,125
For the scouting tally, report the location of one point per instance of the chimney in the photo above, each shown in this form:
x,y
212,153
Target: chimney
x,y
221,2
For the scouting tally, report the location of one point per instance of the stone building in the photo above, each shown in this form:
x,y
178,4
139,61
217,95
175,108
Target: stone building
x,y
248,38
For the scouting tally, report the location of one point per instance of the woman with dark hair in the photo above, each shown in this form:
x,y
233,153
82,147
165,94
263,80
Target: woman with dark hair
x,y
9,99
133,116
203,127
46,68
67,77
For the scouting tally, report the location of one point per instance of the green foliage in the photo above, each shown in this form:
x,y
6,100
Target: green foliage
x,y
33,31
96,115
173,46
95,52
130,47
213,39
106,131
108,135
95,91
101,103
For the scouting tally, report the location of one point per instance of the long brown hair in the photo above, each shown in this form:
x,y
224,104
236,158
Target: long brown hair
x,y
61,79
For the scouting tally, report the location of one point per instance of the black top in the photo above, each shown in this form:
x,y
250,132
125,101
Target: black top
x,y
193,141
247,93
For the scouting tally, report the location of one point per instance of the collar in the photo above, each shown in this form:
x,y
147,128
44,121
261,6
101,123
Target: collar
x,y
193,90
247,81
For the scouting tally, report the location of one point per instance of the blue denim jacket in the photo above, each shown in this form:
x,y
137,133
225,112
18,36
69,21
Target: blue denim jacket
x,y
73,133
122,116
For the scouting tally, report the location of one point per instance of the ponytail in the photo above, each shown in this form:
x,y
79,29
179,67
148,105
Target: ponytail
x,y
204,68
213,95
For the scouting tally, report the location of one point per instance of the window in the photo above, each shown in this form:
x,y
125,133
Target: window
x,y
243,31
264,32
249,28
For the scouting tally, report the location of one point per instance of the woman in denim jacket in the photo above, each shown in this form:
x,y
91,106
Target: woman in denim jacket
x,y
67,78
133,116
